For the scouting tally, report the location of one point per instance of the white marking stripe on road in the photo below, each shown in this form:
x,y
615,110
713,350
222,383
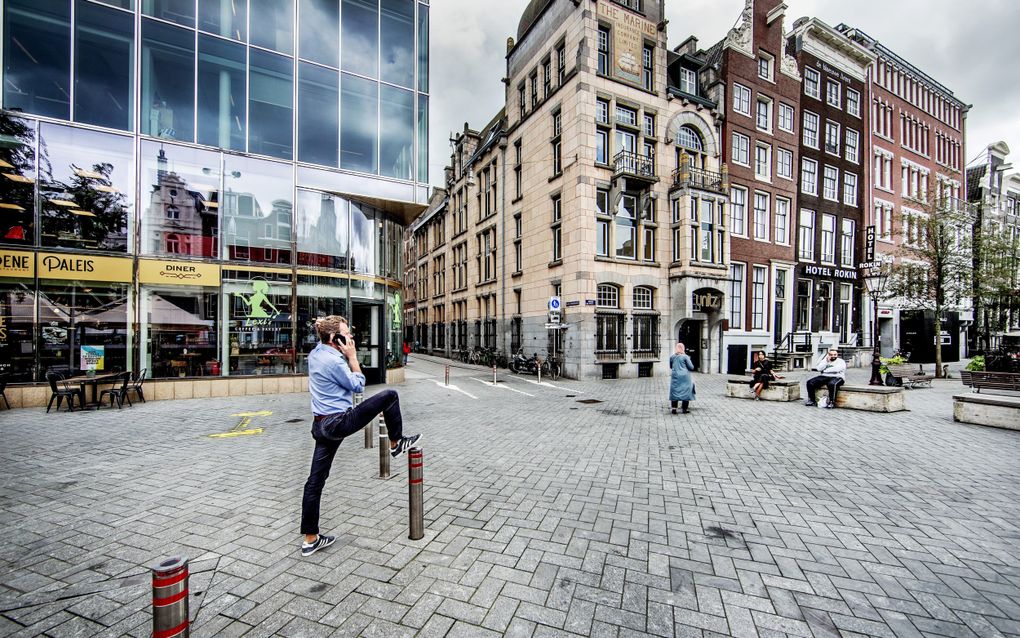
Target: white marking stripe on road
x,y
546,384
489,383
453,387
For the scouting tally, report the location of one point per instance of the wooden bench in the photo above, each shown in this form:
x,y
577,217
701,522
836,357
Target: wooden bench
x,y
909,376
982,409
966,378
994,381
781,390
870,398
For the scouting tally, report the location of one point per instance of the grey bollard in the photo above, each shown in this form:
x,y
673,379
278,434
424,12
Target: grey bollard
x,y
494,374
447,375
170,615
369,435
384,449
416,509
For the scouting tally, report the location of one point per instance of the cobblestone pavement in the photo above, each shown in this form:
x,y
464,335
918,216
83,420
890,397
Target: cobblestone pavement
x,y
545,516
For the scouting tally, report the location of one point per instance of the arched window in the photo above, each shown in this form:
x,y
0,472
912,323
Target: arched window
x,y
173,244
644,298
608,296
688,138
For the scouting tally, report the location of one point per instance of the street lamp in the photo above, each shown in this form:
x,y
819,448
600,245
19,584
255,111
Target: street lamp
x,y
875,280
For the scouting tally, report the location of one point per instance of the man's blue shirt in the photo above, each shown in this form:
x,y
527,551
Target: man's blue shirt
x,y
331,382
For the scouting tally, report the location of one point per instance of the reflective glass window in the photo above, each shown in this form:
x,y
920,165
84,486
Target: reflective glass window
x,y
104,66
396,142
363,230
168,81
225,18
17,180
260,326
359,128
257,210
396,47
271,105
423,138
179,331
221,78
86,188
322,230
17,329
318,31
423,48
180,11
180,200
317,297
318,114
123,4
37,57
73,314
359,38
274,28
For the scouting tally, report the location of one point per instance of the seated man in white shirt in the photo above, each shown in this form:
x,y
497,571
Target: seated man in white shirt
x,y
832,371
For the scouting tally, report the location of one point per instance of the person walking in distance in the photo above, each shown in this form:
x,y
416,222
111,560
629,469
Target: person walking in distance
x,y
334,375
681,385
832,371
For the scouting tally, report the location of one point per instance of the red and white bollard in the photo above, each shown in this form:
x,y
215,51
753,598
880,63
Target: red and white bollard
x,y
170,615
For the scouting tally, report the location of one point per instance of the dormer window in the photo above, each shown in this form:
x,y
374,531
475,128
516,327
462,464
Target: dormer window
x,y
688,81
765,66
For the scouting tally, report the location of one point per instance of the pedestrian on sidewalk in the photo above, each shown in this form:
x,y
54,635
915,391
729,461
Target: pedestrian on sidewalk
x,y
407,351
334,375
761,374
832,371
681,385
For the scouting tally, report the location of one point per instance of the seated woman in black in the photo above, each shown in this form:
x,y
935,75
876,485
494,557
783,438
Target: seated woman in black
x,y
761,374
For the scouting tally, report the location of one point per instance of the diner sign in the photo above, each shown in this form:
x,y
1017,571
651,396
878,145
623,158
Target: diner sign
x,y
15,263
84,267
153,271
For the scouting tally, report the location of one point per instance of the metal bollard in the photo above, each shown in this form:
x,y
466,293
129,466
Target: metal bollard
x,y
415,508
170,615
384,449
539,365
447,375
369,435
494,374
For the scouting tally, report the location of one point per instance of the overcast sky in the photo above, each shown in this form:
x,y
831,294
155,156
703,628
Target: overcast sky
x,y
970,48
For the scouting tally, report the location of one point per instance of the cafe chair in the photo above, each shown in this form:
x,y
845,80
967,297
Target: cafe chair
x,y
120,394
136,384
3,387
62,391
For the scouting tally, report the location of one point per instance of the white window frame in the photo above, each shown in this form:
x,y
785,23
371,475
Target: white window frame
x,y
783,230
763,162
804,176
741,99
784,163
786,115
830,194
850,188
846,248
688,81
812,77
740,231
829,93
770,65
759,103
759,297
855,146
806,249
828,247
832,134
761,216
738,273
855,100
812,130
742,150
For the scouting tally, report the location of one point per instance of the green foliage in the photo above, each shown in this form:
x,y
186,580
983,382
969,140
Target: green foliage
x,y
977,364
890,361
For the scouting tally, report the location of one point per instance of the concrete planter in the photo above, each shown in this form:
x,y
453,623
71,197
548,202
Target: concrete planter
x,y
777,390
394,375
866,397
982,409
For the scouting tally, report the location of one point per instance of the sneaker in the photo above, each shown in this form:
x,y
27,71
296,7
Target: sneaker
x,y
307,549
405,444
810,404
830,405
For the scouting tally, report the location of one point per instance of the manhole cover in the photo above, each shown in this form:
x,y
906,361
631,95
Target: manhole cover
x,y
588,401
294,420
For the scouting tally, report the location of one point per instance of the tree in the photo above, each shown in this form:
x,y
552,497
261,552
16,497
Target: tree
x,y
934,265
999,280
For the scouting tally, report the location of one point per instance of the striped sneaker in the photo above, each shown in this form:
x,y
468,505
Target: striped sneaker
x,y
307,549
405,444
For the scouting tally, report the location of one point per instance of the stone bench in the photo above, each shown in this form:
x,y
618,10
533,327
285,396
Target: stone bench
x,y
870,398
998,411
781,390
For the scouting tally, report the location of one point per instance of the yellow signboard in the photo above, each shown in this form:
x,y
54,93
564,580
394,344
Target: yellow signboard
x,y
15,263
629,32
151,271
84,267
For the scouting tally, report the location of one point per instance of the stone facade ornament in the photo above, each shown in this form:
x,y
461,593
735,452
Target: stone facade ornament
x,y
740,36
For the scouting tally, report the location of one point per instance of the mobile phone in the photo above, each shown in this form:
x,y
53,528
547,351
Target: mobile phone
x,y
339,339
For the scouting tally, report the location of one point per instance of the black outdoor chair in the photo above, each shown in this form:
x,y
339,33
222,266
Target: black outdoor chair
x,y
3,386
61,391
136,384
118,392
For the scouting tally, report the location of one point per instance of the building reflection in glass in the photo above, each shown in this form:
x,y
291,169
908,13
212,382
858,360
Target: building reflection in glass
x,y
180,217
257,210
17,180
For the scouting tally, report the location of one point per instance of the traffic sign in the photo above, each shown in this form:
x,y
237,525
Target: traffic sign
x,y
554,304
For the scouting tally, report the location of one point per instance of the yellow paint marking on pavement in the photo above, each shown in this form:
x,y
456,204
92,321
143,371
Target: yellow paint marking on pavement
x,y
241,428
261,413
234,433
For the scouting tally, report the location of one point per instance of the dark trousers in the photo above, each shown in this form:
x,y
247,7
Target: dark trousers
x,y
329,432
832,383
683,405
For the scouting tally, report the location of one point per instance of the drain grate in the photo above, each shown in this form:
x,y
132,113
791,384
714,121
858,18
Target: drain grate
x,y
293,420
589,401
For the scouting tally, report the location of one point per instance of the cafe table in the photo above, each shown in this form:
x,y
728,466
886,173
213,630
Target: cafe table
x,y
83,379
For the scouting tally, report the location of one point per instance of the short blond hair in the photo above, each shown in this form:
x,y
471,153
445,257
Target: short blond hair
x,y
329,325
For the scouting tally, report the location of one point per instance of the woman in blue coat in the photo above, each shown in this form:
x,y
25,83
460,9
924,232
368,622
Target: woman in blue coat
x,y
681,385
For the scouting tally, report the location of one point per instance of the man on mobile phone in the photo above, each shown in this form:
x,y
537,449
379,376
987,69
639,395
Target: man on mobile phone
x,y
334,375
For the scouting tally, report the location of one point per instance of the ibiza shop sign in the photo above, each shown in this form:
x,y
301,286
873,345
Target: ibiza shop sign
x,y
706,300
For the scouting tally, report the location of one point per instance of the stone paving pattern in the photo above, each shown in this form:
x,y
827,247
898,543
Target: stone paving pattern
x,y
544,517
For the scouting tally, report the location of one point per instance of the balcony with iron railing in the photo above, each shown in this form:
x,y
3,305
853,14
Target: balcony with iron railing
x,y
634,166
688,176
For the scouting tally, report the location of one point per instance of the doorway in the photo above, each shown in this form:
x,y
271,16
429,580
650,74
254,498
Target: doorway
x,y
690,336
366,326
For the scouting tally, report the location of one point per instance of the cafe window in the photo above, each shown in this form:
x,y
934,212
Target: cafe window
x,y
179,332
180,200
259,328
86,189
257,210
82,322
17,329
17,180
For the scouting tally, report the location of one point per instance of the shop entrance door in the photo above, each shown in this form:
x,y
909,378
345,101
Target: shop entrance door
x,y
690,336
366,326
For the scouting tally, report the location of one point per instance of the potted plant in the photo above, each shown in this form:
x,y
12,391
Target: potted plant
x,y
977,364
884,370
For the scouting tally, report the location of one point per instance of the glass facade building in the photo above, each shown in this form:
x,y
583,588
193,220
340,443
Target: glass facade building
x,y
186,184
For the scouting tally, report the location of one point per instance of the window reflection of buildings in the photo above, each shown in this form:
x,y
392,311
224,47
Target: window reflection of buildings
x,y
253,236
181,220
